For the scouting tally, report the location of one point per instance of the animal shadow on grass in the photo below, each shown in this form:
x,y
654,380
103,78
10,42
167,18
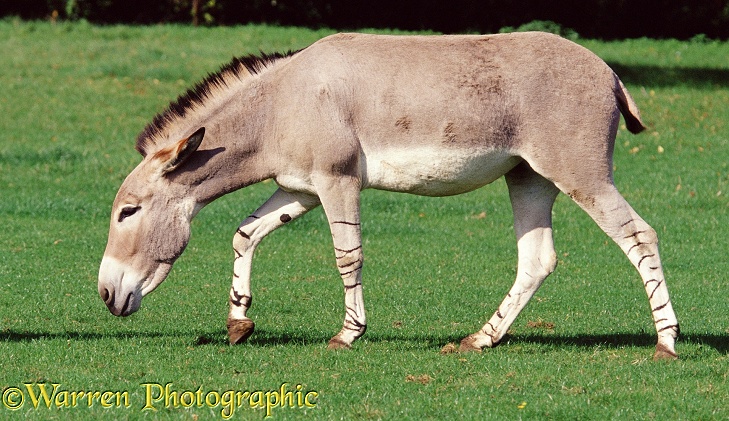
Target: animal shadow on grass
x,y
22,336
657,76
267,338
719,342
271,338
261,338
201,337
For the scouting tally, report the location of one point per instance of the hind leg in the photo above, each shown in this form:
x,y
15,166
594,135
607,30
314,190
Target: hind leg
x,y
639,242
532,197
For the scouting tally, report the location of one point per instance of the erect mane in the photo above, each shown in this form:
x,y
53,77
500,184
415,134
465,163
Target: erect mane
x,y
237,70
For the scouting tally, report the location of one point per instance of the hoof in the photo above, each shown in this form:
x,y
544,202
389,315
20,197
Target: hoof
x,y
664,353
468,344
239,330
336,343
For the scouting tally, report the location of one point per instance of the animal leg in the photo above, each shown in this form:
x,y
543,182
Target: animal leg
x,y
340,199
279,209
639,242
532,197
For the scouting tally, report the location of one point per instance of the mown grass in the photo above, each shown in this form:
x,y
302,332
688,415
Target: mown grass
x,y
74,97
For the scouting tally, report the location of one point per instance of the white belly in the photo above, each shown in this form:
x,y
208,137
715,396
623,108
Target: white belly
x,y
434,172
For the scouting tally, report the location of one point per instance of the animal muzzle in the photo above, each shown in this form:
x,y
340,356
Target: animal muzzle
x,y
119,288
122,305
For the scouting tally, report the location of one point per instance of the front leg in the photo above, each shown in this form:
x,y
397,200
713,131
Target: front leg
x,y
340,199
279,209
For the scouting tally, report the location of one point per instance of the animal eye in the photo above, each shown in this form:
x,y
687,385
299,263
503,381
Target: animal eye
x,y
128,211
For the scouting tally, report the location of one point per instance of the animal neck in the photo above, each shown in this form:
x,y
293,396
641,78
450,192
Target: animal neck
x,y
234,107
231,156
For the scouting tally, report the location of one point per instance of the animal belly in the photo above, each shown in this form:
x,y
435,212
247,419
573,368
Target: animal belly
x,y
434,172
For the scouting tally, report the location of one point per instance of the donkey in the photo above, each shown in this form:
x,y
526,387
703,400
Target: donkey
x,y
427,115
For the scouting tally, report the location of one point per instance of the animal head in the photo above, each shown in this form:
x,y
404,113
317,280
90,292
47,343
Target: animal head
x,y
150,227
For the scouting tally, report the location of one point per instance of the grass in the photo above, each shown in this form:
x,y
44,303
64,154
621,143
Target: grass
x,y
74,97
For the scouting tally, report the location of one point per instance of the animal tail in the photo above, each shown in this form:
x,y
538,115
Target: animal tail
x,y
628,108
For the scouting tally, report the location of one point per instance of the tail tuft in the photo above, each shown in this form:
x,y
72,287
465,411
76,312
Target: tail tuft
x,y
628,108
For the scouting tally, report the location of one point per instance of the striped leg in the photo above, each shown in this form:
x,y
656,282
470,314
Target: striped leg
x,y
340,199
348,252
532,198
639,242
279,209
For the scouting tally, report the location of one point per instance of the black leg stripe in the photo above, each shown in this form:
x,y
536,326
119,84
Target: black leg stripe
x,y
345,223
349,287
643,258
351,271
654,290
669,327
661,307
348,251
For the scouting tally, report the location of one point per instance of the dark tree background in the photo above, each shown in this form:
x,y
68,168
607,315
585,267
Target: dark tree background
x,y
605,19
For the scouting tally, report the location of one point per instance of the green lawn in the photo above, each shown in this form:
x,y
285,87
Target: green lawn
x,y
74,97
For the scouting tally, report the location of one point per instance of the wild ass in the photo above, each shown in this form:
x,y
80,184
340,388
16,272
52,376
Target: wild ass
x,y
428,115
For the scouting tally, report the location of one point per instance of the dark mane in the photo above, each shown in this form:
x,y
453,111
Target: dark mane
x,y
238,68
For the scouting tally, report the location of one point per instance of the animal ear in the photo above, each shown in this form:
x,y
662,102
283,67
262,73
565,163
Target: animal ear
x,y
173,156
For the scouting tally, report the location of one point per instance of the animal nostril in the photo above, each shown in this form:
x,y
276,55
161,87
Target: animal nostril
x,y
106,295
